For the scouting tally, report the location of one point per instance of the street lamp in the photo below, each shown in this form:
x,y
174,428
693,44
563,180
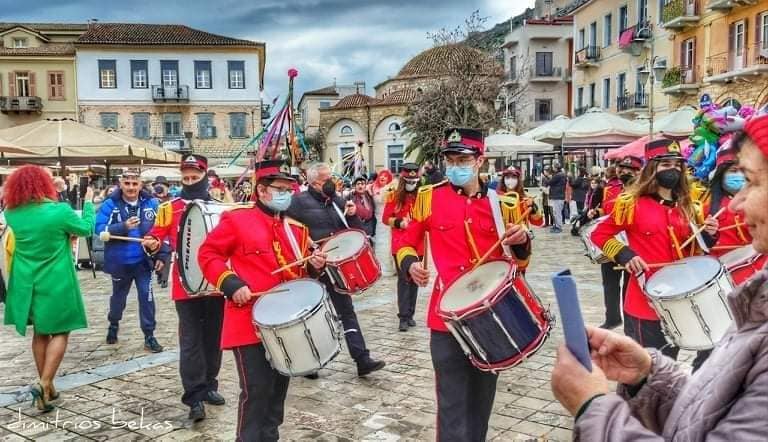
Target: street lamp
x,y
653,70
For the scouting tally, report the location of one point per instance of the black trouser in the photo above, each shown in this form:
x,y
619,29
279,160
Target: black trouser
x,y
612,291
353,334
407,291
162,275
199,346
648,334
464,393
262,395
547,215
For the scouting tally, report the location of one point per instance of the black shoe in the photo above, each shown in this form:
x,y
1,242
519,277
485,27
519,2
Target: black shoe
x,y
610,325
164,285
403,325
411,323
197,412
151,344
214,398
369,366
112,334
312,376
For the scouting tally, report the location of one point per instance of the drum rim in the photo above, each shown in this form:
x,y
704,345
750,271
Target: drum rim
x,y
740,264
715,277
460,313
179,244
723,272
351,257
323,299
535,346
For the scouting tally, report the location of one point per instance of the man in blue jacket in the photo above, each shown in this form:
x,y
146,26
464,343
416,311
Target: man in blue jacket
x,y
129,211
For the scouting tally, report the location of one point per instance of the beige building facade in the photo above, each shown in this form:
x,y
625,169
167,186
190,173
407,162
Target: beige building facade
x,y
613,41
37,72
312,101
719,48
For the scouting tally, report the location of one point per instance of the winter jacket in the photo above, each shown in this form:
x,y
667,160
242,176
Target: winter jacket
x,y
579,188
557,186
111,217
726,400
315,210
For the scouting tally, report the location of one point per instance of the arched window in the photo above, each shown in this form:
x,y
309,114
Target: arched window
x,y
732,102
346,130
394,127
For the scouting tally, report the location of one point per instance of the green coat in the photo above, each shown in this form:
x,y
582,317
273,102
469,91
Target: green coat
x,y
43,289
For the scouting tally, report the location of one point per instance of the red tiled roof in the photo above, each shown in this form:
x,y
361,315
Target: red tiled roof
x,y
46,49
400,96
328,90
446,60
140,34
354,100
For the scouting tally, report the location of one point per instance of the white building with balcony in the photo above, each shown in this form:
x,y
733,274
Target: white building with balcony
x,y
537,69
182,88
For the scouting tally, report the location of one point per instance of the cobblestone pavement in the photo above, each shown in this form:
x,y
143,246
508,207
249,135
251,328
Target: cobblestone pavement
x,y
120,392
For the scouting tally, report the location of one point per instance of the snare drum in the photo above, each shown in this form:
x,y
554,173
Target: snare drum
x,y
690,299
594,252
743,262
495,316
351,264
299,329
198,219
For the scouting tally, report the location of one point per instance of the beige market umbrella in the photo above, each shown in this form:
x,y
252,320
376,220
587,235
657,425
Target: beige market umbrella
x,y
71,143
172,174
676,124
551,130
229,171
8,147
505,144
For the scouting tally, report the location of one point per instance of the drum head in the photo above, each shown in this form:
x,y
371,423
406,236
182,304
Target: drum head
x,y
739,256
474,286
192,233
301,297
685,277
345,244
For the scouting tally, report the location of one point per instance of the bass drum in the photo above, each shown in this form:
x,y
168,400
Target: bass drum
x,y
198,219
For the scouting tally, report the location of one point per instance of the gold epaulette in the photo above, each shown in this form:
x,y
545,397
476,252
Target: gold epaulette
x,y
422,208
624,209
10,248
164,214
698,211
390,198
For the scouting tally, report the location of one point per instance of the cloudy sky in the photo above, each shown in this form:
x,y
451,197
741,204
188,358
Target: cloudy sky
x,y
347,40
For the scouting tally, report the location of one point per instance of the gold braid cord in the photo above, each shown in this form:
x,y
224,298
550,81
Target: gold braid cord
x,y
281,259
624,209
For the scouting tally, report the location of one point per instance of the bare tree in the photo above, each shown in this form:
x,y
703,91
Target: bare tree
x,y
472,25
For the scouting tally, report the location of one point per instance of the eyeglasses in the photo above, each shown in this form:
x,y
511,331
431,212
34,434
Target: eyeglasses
x,y
459,162
282,190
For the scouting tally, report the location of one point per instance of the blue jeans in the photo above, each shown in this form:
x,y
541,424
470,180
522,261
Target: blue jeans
x,y
141,273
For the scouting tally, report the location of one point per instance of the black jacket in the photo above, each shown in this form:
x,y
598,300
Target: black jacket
x,y
315,210
579,188
557,186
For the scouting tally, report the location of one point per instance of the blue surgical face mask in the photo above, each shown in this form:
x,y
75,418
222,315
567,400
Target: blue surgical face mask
x,y
459,175
733,182
280,201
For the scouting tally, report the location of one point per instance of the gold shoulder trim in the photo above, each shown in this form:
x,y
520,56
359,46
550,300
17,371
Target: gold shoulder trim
x,y
624,209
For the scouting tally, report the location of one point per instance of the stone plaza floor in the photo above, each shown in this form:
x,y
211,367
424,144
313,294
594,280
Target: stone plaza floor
x,y
120,392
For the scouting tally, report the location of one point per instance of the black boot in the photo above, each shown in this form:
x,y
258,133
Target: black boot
x,y
214,398
369,366
403,325
112,334
151,344
197,412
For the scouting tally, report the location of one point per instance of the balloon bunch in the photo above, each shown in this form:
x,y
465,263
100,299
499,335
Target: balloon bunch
x,y
713,126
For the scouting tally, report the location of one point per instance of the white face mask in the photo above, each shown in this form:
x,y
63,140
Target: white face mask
x,y
511,183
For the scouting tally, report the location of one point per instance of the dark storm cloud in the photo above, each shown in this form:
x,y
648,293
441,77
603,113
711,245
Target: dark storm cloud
x,y
346,40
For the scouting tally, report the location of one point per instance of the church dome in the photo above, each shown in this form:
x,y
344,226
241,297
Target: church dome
x,y
445,60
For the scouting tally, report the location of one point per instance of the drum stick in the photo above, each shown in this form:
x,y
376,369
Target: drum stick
x,y
700,229
733,247
300,261
426,251
653,266
733,226
106,236
488,253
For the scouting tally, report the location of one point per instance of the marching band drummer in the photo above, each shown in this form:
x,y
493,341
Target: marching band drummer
x,y
626,172
460,232
727,182
200,317
656,214
238,256
397,215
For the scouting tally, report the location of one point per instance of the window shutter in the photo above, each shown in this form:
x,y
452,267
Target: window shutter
x,y
745,56
51,84
60,76
757,34
693,61
682,54
32,85
731,46
12,84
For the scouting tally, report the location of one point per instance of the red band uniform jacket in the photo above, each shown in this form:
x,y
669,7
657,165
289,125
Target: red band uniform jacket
x,y
461,230
243,250
394,216
167,227
735,236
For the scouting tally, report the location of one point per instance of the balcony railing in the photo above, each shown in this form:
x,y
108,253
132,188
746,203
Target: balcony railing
x,y
629,102
545,74
751,61
681,79
580,110
680,14
20,104
170,93
587,56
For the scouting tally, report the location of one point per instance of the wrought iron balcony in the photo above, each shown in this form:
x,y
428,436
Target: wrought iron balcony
x,y
540,74
632,102
752,62
588,56
20,104
170,93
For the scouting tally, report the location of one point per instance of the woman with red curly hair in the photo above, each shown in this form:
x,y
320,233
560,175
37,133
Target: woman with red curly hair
x,y
43,290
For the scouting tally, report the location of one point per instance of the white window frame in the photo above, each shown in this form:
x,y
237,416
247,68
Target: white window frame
x,y
20,42
344,133
139,79
23,87
203,79
236,78
170,78
607,30
107,79
606,93
764,30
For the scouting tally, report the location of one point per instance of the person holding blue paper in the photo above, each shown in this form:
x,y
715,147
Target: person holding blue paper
x,y
657,399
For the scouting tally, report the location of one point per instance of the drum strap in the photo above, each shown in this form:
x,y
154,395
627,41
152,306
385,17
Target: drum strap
x,y
493,199
340,213
292,240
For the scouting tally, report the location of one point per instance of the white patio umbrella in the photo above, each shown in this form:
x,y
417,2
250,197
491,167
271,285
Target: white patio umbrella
x,y
228,171
505,144
552,130
172,174
597,123
677,124
8,147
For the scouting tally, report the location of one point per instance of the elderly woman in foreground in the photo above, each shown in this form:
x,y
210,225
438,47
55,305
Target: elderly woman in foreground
x,y
727,399
43,290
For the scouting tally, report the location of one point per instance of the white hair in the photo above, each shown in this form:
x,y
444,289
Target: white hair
x,y
314,170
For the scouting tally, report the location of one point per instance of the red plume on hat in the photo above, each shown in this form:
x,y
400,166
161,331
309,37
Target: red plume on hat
x,y
757,129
